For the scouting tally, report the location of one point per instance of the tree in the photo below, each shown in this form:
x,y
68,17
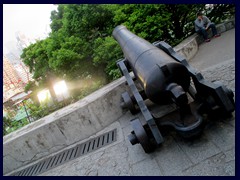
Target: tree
x,y
81,37
182,18
219,12
6,124
87,21
56,18
107,52
35,57
146,20
168,22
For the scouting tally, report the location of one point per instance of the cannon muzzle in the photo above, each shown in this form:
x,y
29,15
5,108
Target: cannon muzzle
x,y
154,68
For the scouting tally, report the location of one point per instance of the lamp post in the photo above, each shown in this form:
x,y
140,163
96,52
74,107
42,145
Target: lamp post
x,y
61,90
26,111
44,96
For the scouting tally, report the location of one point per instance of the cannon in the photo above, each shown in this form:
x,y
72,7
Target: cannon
x,y
163,77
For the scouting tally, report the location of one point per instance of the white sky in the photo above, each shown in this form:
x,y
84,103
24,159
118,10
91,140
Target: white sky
x,y
31,19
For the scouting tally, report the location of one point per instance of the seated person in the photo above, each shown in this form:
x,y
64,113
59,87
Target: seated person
x,y
202,24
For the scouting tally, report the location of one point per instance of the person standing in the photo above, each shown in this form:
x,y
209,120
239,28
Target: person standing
x,y
202,24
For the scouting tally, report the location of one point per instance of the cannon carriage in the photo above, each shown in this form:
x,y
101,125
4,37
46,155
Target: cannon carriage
x,y
164,77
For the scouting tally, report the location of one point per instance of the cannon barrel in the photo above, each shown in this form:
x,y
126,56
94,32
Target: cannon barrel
x,y
156,71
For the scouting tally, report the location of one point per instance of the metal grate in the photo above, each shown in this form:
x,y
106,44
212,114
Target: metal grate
x,y
70,154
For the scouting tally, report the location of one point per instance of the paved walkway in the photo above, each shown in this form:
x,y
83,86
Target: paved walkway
x,y
212,154
217,50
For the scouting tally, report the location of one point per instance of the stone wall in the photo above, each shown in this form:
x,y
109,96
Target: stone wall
x,y
64,127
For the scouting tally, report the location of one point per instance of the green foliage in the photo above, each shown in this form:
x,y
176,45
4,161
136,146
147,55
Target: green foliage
x,y
220,12
87,21
107,51
36,58
148,21
56,18
31,86
10,125
81,39
63,58
168,22
6,125
182,18
38,111
84,91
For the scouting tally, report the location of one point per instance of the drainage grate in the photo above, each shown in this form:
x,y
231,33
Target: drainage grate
x,y
67,155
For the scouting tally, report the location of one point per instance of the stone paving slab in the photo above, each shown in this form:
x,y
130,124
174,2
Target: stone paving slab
x,y
213,166
171,158
139,169
199,150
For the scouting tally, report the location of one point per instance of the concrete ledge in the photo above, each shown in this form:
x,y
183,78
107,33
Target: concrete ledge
x,y
67,126
189,47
